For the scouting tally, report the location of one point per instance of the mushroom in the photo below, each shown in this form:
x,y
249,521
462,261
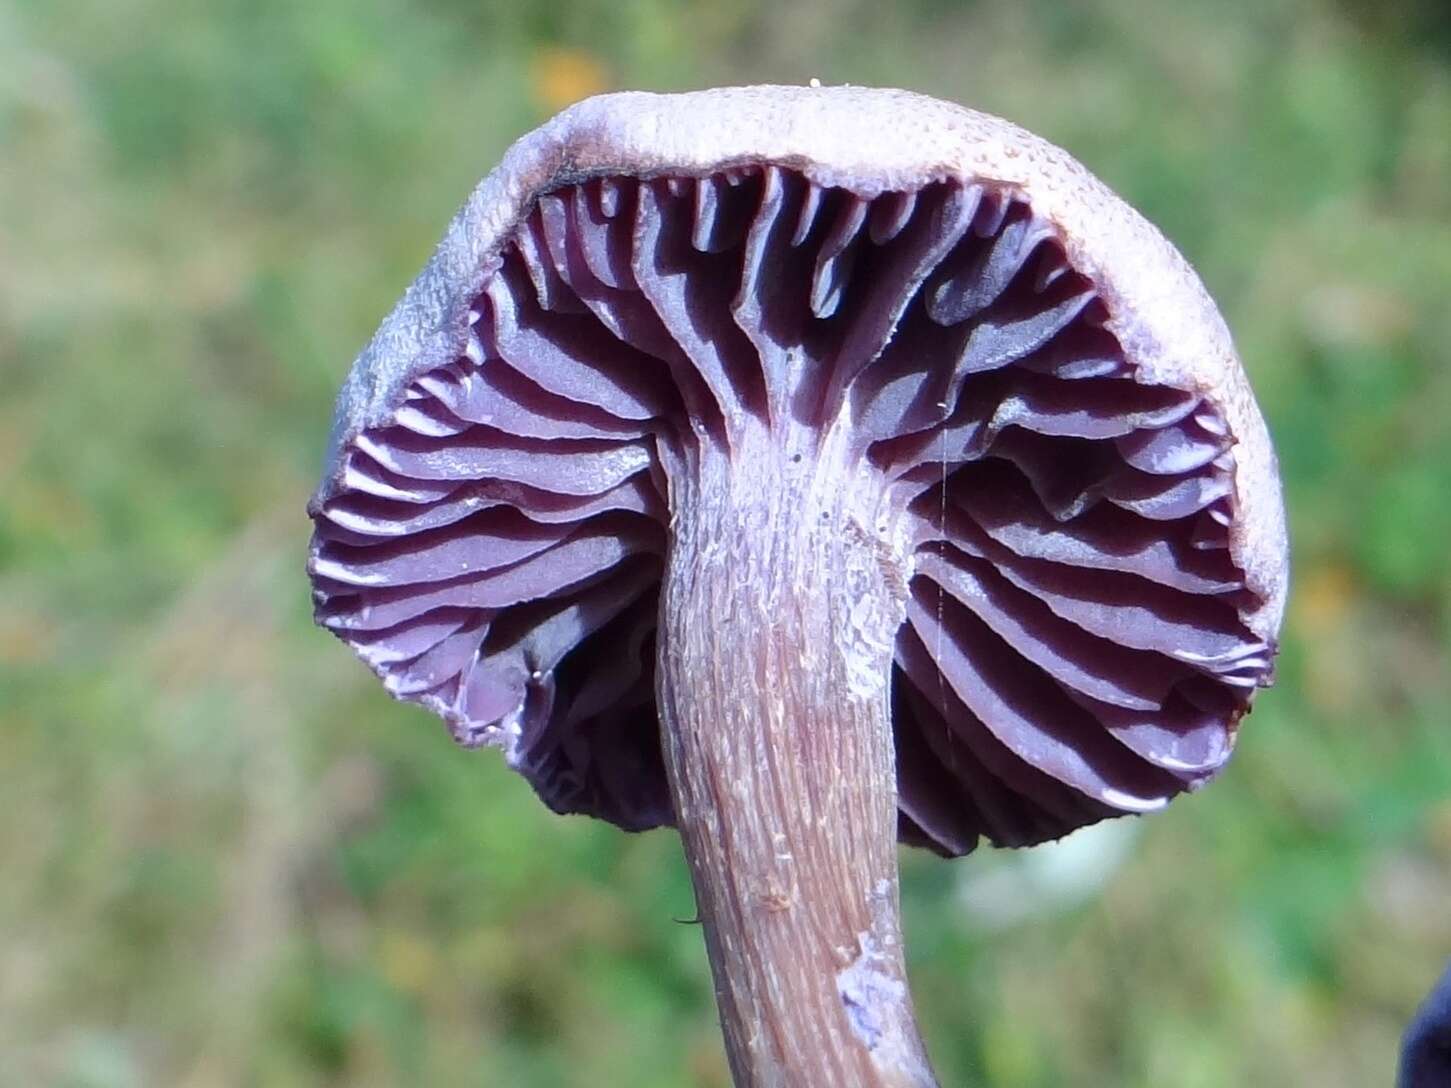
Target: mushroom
x,y
809,469
1426,1045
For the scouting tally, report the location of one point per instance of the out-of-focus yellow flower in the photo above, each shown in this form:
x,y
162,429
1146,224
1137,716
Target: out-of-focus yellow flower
x,y
1322,598
407,961
1320,613
560,75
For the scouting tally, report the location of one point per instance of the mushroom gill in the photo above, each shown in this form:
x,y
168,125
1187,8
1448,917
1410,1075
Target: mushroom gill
x,y
1074,644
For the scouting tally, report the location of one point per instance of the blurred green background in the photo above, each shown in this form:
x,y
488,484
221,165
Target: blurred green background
x,y
227,858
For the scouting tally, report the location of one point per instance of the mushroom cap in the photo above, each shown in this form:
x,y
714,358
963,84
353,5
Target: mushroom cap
x,y
1093,514
1426,1044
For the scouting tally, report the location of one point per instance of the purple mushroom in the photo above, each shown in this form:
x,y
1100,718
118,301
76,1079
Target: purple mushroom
x,y
809,469
1426,1045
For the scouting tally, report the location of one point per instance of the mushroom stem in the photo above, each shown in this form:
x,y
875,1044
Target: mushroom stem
x,y
781,600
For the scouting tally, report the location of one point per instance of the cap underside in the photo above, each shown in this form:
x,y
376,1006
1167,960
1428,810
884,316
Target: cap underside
x,y
1074,645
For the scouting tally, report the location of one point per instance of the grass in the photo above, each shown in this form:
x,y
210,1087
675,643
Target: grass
x,y
230,860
